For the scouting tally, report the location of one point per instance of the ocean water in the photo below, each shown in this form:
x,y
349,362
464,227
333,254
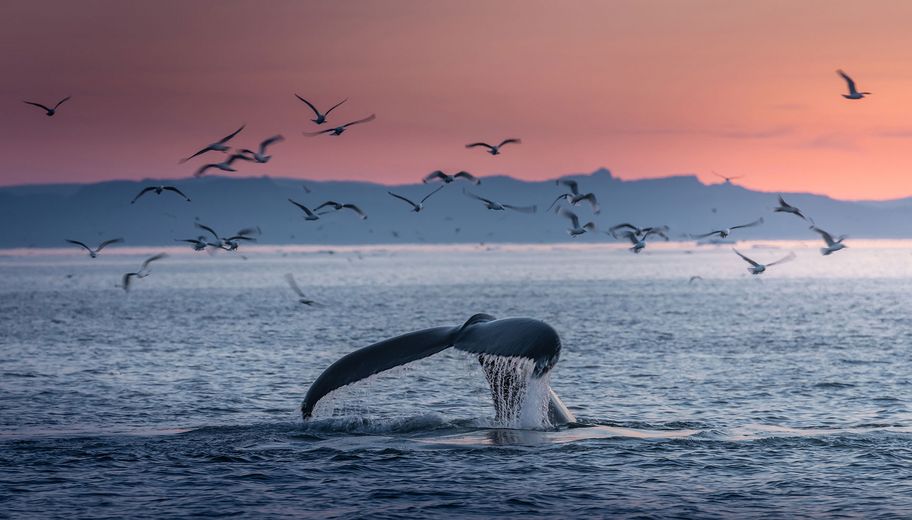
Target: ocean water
x,y
785,395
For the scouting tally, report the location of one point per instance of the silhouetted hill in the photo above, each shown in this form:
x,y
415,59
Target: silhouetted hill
x,y
42,216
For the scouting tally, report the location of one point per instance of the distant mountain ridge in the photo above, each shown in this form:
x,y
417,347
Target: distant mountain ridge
x,y
45,215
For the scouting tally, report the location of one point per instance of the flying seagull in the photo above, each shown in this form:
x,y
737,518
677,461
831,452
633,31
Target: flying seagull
x,y
576,229
695,278
229,243
339,129
48,111
656,230
158,191
439,175
497,206
420,205
308,214
853,93
260,155
294,287
723,233
224,165
218,146
336,206
757,268
833,245
638,241
494,150
321,118
785,207
199,243
728,180
576,199
94,252
143,271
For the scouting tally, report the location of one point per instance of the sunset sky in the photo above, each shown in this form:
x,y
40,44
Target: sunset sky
x,y
646,89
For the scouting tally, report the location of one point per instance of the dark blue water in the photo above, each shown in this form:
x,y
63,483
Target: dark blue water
x,y
785,396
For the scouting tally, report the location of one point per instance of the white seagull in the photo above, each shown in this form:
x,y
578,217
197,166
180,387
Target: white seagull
x,y
576,229
492,149
260,155
158,191
638,241
321,118
48,111
758,268
218,146
294,287
416,207
833,245
336,206
497,206
439,175
653,230
723,233
853,92
785,207
94,252
143,271
339,129
225,165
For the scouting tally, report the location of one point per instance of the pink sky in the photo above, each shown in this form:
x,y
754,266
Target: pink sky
x,y
647,89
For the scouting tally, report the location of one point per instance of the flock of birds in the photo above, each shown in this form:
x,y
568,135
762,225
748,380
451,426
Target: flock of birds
x,y
572,197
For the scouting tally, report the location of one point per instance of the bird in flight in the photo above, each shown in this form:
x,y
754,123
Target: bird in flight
x,y
336,206
339,129
639,232
142,273
853,92
218,146
728,180
94,252
497,206
758,268
494,150
199,243
308,214
158,191
321,118
832,245
638,240
785,207
723,233
48,111
224,165
294,287
574,219
439,175
575,197
420,205
229,243
260,155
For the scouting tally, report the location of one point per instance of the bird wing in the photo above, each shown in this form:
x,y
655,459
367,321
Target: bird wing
x,y
308,103
787,258
704,235
436,174
201,152
521,209
175,190
590,198
125,282
39,105
152,259
631,236
303,208
470,194
202,169
656,231
332,203
783,203
356,209
239,237
571,215
272,140
749,224
564,196
426,197
62,101
141,193
106,243
467,176
232,134
312,134
570,183
509,141
848,80
486,145
78,243
249,231
828,238
400,197
746,259
210,230
334,107
294,285
235,157
358,122
614,229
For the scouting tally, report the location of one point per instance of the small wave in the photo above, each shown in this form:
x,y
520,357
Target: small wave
x,y
370,425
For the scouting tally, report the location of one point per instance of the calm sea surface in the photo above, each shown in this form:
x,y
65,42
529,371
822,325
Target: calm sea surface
x,y
783,395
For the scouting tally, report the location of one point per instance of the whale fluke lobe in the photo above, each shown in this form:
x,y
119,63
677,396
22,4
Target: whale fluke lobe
x,y
513,353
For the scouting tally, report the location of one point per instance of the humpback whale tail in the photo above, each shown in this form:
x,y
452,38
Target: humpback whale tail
x,y
531,341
